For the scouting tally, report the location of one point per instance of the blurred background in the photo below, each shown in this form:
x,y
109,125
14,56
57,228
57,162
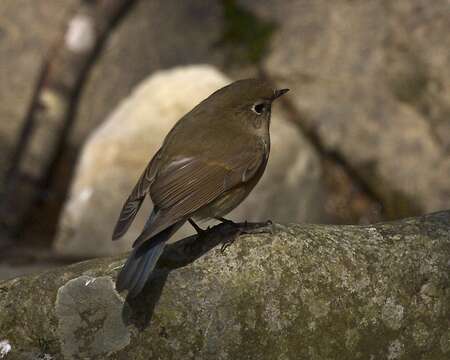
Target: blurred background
x,y
89,88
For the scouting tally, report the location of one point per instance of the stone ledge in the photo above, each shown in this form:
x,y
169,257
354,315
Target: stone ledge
x,y
299,292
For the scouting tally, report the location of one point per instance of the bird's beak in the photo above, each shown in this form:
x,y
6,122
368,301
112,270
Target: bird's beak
x,y
278,93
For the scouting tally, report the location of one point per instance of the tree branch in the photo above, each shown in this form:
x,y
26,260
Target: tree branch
x,y
50,115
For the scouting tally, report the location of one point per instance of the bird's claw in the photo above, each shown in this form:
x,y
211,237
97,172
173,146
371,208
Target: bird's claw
x,y
245,228
227,243
225,221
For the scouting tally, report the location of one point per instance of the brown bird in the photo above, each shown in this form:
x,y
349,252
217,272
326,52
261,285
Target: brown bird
x,y
207,165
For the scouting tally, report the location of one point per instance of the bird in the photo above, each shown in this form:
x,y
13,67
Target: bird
x,y
206,166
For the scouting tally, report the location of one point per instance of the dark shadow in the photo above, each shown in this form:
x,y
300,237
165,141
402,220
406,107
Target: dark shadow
x,y
138,311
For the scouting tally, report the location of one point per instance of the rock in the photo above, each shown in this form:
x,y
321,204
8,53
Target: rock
x,y
113,335
154,35
303,292
118,151
372,80
27,31
11,272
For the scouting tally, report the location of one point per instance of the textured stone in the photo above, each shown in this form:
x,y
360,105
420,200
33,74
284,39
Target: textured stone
x,y
28,29
303,292
92,307
8,271
118,151
372,79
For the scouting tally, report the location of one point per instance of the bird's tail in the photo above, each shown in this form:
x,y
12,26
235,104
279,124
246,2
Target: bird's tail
x,y
142,261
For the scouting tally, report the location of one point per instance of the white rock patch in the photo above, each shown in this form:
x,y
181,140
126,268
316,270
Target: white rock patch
x,y
5,348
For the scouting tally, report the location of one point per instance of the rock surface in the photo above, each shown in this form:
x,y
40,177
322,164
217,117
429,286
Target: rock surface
x,y
304,292
118,151
25,39
372,80
12,271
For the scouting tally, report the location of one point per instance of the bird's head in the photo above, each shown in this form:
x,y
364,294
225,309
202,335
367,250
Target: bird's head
x,y
248,100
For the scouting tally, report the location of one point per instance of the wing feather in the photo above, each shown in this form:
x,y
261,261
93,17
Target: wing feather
x,y
133,203
181,189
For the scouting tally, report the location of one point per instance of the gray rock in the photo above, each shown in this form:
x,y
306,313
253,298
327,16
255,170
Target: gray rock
x,y
118,151
372,79
303,292
12,271
81,305
27,31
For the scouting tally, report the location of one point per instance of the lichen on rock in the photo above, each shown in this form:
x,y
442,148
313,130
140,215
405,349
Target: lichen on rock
x,y
294,292
89,318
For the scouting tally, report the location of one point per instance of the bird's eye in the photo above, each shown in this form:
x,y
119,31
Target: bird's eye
x,y
258,108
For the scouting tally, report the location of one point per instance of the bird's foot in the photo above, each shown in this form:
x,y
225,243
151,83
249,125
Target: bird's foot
x,y
225,221
267,227
228,242
245,228
257,228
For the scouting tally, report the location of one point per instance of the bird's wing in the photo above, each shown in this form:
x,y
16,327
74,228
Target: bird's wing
x,y
188,184
134,201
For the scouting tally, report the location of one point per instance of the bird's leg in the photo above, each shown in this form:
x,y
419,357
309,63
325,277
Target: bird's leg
x,y
197,228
